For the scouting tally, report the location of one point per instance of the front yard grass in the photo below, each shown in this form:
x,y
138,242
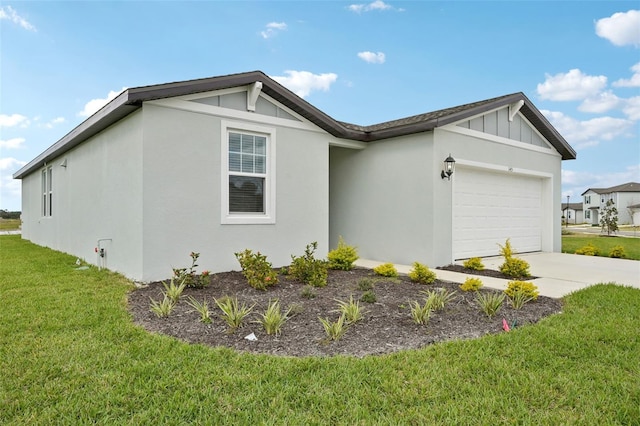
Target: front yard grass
x,y
69,354
604,244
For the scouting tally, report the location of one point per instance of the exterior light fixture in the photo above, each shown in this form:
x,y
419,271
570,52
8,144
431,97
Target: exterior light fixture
x,y
449,166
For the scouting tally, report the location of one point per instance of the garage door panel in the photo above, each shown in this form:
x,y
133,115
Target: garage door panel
x,y
490,207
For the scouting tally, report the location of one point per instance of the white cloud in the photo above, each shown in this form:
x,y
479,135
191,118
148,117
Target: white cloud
x,y
375,5
583,134
302,83
372,58
50,124
571,86
13,120
272,28
632,108
10,188
634,81
12,143
621,29
600,103
581,181
11,164
95,104
10,14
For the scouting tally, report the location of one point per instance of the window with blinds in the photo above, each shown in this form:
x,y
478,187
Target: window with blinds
x,y
247,173
248,184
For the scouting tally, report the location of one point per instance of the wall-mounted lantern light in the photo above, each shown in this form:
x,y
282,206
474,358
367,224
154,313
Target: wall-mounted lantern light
x,y
449,166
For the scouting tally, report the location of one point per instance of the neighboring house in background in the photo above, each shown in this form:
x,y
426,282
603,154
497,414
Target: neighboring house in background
x,y
222,164
573,213
635,214
624,197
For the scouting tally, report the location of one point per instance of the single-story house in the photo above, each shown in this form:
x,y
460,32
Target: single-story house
x,y
572,213
222,164
624,197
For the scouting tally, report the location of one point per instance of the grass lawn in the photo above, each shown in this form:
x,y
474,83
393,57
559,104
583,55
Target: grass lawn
x,y
9,224
70,355
604,244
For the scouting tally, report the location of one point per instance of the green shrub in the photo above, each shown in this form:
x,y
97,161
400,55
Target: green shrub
x,y
525,287
515,268
232,312
368,297
421,274
437,300
420,313
519,299
189,276
162,309
343,256
202,309
386,270
334,330
474,263
618,252
506,250
351,310
490,303
512,267
365,284
471,284
257,270
588,250
174,291
273,319
308,292
308,269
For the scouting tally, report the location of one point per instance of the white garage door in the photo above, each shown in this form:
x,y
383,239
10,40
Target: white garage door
x,y
489,207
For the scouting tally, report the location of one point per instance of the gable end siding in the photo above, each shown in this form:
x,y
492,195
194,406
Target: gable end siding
x,y
238,101
497,123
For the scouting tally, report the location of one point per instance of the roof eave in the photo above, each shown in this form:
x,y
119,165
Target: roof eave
x,y
132,99
111,113
547,130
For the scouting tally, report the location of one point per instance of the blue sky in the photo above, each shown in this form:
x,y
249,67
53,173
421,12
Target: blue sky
x,y
360,62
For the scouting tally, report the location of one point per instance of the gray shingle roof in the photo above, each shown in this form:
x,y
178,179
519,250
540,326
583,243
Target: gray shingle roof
x,y
625,187
132,99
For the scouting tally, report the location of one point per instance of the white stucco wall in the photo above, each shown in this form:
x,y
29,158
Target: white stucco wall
x,y
624,200
97,195
390,201
381,199
182,194
511,157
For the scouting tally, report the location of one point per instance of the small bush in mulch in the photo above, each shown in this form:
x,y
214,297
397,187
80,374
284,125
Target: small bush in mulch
x,y
386,325
484,272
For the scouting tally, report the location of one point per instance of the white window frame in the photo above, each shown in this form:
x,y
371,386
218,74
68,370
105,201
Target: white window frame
x,y
269,215
47,191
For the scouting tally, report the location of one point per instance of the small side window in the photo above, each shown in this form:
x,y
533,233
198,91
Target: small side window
x,y
47,191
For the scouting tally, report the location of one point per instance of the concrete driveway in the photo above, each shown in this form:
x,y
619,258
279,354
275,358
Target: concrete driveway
x,y
559,273
563,273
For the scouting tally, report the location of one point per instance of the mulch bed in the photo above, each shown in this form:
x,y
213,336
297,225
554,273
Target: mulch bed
x,y
387,325
484,272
